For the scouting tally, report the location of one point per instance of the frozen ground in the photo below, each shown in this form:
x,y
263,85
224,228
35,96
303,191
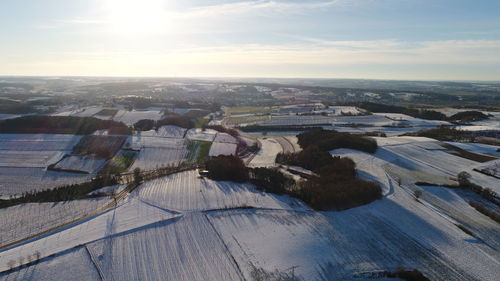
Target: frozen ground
x,y
24,158
221,148
151,158
56,268
158,149
478,148
225,138
29,159
198,134
266,156
87,163
38,142
187,249
24,220
15,181
131,117
181,227
166,131
339,110
186,192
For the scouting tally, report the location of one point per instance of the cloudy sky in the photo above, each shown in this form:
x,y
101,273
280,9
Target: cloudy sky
x,y
380,39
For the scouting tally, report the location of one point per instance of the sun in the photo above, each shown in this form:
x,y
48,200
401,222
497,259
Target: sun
x,y
136,16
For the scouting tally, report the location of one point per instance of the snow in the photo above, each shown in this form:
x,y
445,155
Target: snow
x,y
200,135
8,116
491,168
38,142
225,138
113,189
187,249
131,215
80,112
29,159
266,156
139,141
23,220
384,235
219,148
150,158
186,192
165,131
86,163
56,268
338,110
131,117
15,181
411,121
478,148
158,149
183,227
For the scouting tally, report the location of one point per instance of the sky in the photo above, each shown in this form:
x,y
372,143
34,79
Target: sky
x,y
371,39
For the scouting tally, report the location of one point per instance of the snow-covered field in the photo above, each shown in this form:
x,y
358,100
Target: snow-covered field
x,y
225,138
150,158
166,131
139,141
221,148
182,227
266,156
187,249
339,110
198,134
29,159
77,260
131,117
80,112
491,168
87,163
38,142
411,121
186,192
24,158
158,149
24,220
478,148
15,181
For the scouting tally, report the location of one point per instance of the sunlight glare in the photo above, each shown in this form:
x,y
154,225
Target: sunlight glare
x,y
136,17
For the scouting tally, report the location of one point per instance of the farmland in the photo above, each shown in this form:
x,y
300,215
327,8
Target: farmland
x,y
25,158
158,202
194,220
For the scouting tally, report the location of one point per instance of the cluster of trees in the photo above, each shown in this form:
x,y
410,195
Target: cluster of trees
x,y
174,120
468,116
271,180
408,275
329,139
461,117
463,179
63,193
338,188
8,106
40,124
417,113
227,168
485,211
444,133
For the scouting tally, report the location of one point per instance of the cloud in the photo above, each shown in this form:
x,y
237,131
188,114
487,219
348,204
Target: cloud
x,y
262,6
471,59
